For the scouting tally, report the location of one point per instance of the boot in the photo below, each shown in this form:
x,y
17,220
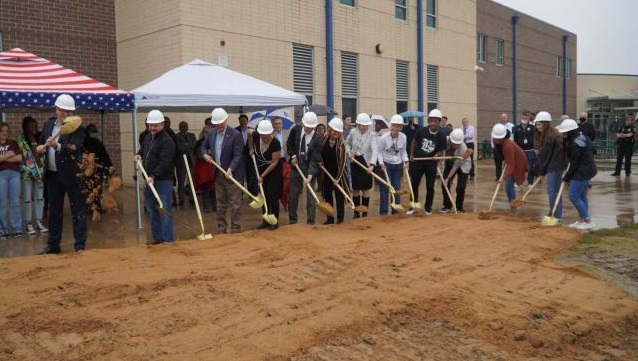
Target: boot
x,y
357,202
329,220
366,202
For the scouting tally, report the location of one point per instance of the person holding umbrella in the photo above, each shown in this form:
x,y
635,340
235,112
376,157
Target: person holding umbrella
x,y
333,159
266,150
393,157
515,161
362,146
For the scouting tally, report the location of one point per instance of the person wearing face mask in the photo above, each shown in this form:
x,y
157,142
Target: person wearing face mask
x,y
99,160
524,138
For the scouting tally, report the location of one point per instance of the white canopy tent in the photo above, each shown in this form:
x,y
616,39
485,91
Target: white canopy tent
x,y
199,87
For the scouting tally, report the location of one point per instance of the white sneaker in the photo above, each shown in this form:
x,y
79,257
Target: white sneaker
x,y
30,229
41,227
586,226
575,224
428,213
409,211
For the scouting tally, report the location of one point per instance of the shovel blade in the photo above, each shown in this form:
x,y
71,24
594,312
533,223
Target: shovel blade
x,y
397,207
255,204
270,219
203,236
549,221
326,209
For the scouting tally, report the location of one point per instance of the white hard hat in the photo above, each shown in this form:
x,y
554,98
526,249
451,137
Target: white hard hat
x,y
309,120
567,125
396,119
435,113
218,116
543,117
265,127
499,131
457,136
363,119
154,117
65,101
336,124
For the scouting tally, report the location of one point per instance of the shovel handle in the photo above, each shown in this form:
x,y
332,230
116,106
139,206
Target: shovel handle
x,y
261,186
532,187
355,161
312,191
498,186
437,158
141,167
339,187
235,181
447,190
190,180
407,175
560,192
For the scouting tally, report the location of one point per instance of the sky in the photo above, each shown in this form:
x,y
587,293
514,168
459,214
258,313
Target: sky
x,y
607,30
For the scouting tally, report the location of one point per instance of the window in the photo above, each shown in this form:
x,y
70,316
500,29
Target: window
x,y
569,68
347,2
302,70
481,46
500,52
433,87
402,86
430,14
401,9
349,82
559,66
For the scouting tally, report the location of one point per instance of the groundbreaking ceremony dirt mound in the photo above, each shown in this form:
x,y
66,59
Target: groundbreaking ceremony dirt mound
x,y
393,288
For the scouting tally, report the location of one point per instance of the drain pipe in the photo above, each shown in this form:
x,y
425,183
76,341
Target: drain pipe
x,y
419,58
514,69
330,101
565,74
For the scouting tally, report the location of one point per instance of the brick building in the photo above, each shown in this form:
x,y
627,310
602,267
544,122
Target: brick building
x,y
78,34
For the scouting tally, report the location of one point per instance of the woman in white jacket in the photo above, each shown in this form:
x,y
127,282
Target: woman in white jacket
x,y
362,146
393,157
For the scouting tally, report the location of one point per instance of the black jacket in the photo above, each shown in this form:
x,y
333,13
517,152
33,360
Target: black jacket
x,y
158,155
550,156
588,130
580,153
67,161
309,163
524,136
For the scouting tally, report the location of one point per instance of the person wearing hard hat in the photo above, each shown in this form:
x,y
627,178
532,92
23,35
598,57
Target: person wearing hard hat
x,y
581,169
428,142
459,168
550,159
333,158
266,150
225,147
63,155
515,161
393,157
361,145
157,155
304,149
524,138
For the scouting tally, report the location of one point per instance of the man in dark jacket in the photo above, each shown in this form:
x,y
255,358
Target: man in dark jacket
x,y
625,138
225,146
524,138
185,146
63,156
158,158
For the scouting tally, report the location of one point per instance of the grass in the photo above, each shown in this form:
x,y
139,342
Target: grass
x,y
622,240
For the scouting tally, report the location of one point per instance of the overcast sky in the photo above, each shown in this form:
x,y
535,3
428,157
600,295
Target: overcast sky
x,y
607,30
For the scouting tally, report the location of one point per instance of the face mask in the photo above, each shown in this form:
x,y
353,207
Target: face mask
x,y
94,135
583,119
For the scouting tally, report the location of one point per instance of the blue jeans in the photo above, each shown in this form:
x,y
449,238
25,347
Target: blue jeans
x,y
394,172
509,188
161,226
554,180
578,197
10,192
32,200
531,156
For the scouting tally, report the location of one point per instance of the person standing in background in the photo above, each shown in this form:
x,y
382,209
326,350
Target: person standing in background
x,y
185,142
10,159
468,134
524,138
625,137
31,174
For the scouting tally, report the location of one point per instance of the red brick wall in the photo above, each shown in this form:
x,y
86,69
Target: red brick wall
x,y
538,87
78,34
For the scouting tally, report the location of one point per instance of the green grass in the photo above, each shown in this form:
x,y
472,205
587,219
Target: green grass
x,y
622,240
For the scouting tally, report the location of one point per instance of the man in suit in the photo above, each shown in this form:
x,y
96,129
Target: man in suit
x,y
185,145
251,177
227,148
277,124
304,149
63,157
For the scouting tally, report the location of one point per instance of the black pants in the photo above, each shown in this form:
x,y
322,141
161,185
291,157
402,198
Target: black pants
x,y
625,151
272,201
327,190
56,192
498,162
471,146
460,189
180,169
416,174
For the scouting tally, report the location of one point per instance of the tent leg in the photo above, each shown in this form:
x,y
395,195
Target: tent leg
x,y
138,208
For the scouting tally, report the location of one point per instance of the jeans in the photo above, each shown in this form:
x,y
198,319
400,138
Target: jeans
x,y
395,171
161,225
56,192
531,156
578,197
32,190
509,188
554,180
10,193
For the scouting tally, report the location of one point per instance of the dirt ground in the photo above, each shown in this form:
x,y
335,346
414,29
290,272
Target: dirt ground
x,y
393,288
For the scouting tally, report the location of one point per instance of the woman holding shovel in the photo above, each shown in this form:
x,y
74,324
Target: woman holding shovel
x,y
362,146
333,158
515,162
550,159
266,151
393,157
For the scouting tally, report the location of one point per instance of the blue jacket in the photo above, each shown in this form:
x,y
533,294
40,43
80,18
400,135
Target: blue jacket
x,y
232,155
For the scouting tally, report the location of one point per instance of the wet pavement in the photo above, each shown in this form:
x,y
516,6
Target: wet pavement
x,y
613,201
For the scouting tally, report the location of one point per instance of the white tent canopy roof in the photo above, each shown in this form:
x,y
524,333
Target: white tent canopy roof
x,y
200,86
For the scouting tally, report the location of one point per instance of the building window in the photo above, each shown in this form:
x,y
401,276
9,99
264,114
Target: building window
x,y
500,52
302,71
349,82
430,14
402,86
401,9
433,87
569,68
347,2
559,66
481,46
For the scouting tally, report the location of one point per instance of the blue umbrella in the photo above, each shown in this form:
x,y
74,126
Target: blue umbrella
x,y
257,117
412,114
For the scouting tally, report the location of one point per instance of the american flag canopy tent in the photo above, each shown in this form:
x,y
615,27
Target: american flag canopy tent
x,y
29,81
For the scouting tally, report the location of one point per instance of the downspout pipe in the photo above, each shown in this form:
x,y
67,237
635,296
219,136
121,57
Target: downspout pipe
x,y
419,58
514,69
330,101
565,74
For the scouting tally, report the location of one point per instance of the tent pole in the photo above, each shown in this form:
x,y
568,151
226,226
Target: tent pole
x,y
103,130
138,210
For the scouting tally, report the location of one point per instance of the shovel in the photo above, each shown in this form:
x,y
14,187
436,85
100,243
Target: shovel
x,y
551,220
323,206
268,218
160,205
413,203
447,190
521,202
489,215
202,236
345,194
375,176
393,204
437,158
257,202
